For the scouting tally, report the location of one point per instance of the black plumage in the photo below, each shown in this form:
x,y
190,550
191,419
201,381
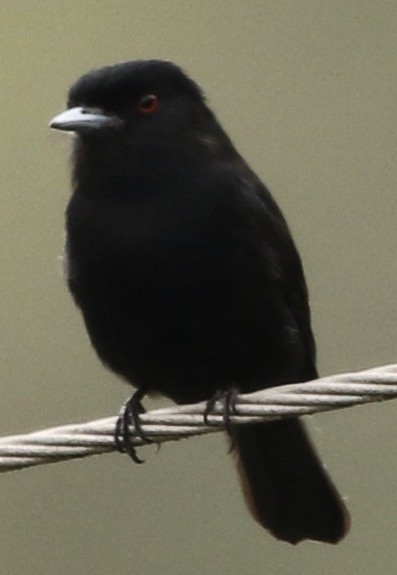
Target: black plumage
x,y
187,276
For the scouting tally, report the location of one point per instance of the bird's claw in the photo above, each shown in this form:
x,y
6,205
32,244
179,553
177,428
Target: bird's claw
x,y
129,418
228,400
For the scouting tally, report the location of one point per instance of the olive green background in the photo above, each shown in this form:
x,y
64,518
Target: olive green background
x,y
307,90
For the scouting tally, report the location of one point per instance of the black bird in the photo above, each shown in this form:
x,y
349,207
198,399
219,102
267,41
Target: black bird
x,y
188,278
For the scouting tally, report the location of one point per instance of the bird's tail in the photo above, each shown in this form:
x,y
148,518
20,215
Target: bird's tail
x,y
286,488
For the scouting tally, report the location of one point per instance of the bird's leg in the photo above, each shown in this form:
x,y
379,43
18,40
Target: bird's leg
x,y
227,397
129,417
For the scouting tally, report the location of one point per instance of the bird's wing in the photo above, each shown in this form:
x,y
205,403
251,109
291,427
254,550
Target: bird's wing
x,y
288,273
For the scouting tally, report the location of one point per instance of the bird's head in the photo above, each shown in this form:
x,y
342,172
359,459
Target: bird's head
x,y
152,98
142,120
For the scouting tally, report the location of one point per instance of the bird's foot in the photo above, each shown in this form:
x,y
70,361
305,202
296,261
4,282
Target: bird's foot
x,y
129,417
228,400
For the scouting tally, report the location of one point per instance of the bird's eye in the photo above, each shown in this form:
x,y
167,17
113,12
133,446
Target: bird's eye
x,y
148,104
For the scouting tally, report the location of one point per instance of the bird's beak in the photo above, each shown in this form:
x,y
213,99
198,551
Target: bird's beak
x,y
81,119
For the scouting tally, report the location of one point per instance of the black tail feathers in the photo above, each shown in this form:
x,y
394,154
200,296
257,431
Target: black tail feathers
x,y
285,485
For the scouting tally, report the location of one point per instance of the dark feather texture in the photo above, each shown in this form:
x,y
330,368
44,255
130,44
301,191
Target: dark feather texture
x,y
188,278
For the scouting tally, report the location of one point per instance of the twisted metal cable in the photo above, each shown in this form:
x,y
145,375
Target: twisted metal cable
x,y
95,437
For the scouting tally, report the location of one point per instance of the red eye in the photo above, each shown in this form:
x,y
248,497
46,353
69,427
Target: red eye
x,y
148,104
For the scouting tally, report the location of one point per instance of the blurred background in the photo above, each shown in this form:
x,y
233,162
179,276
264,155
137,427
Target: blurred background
x,y
308,92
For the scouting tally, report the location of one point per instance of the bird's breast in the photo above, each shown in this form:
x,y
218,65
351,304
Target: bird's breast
x,y
174,294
